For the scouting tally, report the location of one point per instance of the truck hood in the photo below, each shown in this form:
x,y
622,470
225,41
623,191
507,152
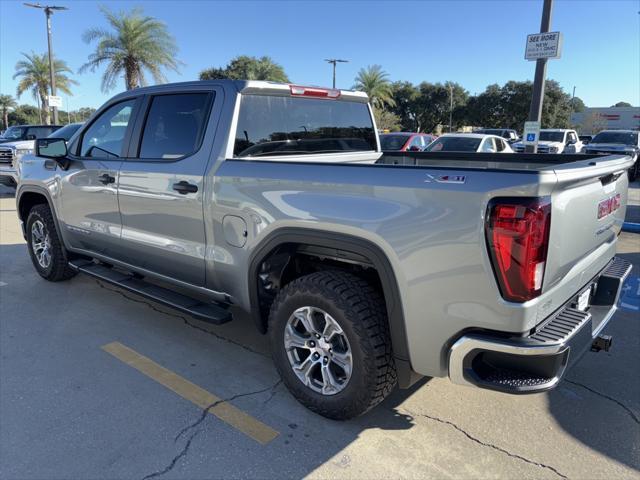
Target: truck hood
x,y
611,147
541,143
19,144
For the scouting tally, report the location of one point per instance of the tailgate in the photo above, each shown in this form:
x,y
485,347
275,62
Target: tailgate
x,y
588,209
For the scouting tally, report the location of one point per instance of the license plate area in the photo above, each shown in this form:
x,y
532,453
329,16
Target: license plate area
x,y
584,299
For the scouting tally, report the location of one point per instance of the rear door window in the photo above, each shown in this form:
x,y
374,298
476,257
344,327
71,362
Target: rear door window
x,y
175,125
273,125
488,145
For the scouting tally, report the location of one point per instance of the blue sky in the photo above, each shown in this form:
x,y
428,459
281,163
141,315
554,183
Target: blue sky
x,y
475,43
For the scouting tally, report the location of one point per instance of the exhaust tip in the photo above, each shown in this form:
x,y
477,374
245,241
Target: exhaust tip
x,y
602,342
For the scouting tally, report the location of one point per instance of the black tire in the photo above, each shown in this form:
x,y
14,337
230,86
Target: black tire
x,y
57,269
634,171
360,312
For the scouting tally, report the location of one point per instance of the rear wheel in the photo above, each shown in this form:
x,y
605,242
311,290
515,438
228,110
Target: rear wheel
x,y
45,248
330,343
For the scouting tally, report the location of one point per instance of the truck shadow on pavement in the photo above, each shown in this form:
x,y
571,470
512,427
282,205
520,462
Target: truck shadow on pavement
x,y
598,403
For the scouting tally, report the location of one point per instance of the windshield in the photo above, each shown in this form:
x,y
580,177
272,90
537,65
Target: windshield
x,y
271,125
626,138
393,142
66,132
454,144
14,133
552,136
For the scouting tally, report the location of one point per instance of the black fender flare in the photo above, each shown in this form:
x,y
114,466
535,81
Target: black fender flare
x,y
45,193
347,243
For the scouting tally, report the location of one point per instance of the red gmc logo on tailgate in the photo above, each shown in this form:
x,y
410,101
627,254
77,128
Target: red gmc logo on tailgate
x,y
608,206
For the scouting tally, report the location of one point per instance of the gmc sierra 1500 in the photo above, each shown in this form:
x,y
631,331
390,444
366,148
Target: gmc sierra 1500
x,y
367,270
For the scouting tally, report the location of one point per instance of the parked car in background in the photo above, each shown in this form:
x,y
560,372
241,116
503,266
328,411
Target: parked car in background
x,y
469,142
405,141
555,140
11,153
585,139
508,134
27,132
621,142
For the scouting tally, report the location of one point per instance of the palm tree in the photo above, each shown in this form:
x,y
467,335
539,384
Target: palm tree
x,y
375,82
267,69
34,76
6,102
135,44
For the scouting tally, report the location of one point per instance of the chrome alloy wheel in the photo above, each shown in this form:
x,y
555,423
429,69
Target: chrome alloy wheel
x,y
41,244
318,350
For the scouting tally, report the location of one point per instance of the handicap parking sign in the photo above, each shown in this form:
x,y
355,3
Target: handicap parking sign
x,y
531,137
630,297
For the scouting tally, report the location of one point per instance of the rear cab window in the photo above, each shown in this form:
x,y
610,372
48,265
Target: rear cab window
x,y
270,126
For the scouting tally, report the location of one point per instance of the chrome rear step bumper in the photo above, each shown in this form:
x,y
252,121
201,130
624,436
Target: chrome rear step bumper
x,y
537,362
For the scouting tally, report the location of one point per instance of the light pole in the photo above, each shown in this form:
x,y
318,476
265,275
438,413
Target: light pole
x,y
334,61
48,11
573,97
537,96
450,106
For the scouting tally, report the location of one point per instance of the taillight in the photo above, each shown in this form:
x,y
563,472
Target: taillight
x,y
517,233
297,90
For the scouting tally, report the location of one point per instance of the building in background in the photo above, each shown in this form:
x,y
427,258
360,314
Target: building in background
x,y
591,120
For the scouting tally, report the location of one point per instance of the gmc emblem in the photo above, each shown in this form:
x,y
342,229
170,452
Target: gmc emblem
x,y
608,206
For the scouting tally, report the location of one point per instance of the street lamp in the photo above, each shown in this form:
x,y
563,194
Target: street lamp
x,y
334,61
450,106
48,11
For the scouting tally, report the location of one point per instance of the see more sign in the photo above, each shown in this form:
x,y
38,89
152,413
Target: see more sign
x,y
543,45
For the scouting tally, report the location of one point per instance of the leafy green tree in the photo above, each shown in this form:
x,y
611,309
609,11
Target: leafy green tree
x,y
386,120
405,96
25,115
375,82
244,67
508,106
578,104
33,73
434,104
7,102
135,45
621,104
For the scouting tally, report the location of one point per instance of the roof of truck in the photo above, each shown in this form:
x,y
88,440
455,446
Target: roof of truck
x,y
245,86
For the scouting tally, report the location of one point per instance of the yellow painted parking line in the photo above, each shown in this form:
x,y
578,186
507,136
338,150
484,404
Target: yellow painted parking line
x,y
224,411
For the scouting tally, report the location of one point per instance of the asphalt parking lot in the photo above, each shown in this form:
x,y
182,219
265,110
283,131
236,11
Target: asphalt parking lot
x,y
98,383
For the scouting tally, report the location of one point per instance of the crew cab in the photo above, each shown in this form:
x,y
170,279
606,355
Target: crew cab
x,y
366,269
555,140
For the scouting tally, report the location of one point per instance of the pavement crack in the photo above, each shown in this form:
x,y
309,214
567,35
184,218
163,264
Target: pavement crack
x,y
206,410
185,449
184,319
486,444
174,460
633,416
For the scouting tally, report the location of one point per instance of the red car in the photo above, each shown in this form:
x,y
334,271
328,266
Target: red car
x,y
405,141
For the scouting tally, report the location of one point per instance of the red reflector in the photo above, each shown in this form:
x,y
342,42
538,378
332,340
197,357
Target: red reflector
x,y
314,92
517,232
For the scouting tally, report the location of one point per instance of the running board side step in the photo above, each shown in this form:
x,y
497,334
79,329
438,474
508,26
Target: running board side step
x,y
206,312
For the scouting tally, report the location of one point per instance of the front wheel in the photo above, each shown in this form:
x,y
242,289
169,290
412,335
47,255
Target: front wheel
x,y
330,343
45,248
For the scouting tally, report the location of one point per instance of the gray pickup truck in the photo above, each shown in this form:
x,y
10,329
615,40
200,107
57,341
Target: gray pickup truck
x,y
366,269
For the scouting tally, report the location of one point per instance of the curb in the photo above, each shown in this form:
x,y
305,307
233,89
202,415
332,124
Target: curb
x,y
631,227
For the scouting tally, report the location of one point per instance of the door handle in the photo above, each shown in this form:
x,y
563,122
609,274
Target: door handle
x,y
106,179
185,187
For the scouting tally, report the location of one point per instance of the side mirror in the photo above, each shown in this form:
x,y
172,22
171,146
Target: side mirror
x,y
53,148
31,136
